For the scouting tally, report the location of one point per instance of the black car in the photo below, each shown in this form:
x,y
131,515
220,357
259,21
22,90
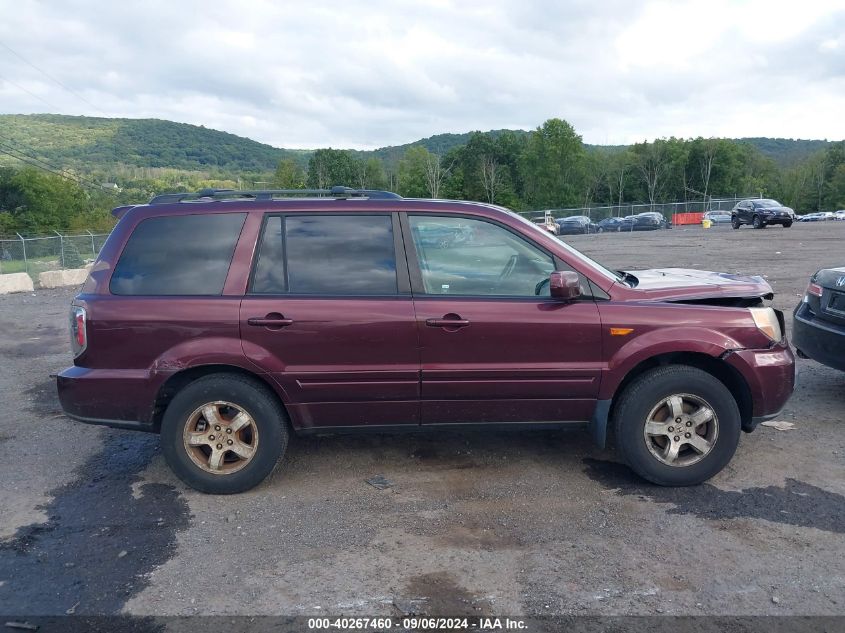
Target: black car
x,y
575,225
760,213
650,220
818,328
614,225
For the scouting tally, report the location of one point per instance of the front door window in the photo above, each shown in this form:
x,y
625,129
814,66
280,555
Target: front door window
x,y
467,257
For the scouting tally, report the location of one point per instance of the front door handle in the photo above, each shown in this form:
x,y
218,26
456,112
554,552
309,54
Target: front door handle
x,y
272,321
449,321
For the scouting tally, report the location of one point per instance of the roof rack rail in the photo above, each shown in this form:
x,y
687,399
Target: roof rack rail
x,y
338,192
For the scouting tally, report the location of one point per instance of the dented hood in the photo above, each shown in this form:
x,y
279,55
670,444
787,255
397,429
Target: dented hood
x,y
684,283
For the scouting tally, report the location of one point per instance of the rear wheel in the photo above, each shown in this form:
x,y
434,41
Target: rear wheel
x,y
735,222
786,225
223,433
676,425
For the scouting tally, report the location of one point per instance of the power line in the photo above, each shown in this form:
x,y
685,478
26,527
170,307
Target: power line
x,y
29,92
49,76
14,152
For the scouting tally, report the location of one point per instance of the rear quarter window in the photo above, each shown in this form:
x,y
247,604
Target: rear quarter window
x,y
178,255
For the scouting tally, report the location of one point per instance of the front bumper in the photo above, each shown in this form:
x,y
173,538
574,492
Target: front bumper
x,y
770,375
820,340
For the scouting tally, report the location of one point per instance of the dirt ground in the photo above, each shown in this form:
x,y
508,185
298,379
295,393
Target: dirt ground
x,y
92,521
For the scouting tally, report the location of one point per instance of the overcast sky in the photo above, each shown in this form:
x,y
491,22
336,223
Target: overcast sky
x,y
369,73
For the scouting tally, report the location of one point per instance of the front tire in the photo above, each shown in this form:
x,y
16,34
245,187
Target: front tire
x,y
224,433
757,223
676,425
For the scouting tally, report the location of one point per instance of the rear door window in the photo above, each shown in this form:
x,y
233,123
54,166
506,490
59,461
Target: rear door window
x,y
178,255
326,255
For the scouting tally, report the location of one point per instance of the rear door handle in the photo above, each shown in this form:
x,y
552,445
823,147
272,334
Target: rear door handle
x,y
273,321
449,321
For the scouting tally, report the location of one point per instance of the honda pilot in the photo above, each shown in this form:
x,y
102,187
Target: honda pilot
x,y
227,321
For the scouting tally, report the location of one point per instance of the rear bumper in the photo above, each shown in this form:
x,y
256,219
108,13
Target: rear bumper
x,y
770,375
116,398
822,341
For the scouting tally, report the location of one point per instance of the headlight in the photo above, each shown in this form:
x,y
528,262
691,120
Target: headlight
x,y
767,322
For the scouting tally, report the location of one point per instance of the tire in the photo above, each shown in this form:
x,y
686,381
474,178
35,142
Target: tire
x,y
600,230
649,396
757,223
735,223
193,412
786,225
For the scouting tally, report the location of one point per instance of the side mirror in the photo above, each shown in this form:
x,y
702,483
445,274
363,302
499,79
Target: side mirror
x,y
564,285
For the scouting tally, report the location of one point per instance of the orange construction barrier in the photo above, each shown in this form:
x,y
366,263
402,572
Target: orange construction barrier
x,y
686,218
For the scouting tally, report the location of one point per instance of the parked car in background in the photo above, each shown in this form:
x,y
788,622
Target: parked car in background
x,y
614,225
650,220
226,321
760,213
576,224
818,327
839,215
718,217
818,216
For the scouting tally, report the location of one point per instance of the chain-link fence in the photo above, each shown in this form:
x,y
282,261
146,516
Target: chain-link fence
x,y
35,255
668,209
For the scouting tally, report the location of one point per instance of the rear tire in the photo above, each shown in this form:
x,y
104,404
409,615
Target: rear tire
x,y
224,433
786,225
654,402
735,222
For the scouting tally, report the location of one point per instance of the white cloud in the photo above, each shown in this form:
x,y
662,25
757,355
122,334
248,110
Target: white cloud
x,y
367,74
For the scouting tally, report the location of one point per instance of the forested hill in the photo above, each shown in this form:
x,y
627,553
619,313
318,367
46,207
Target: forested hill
x,y
437,144
90,144
94,144
786,151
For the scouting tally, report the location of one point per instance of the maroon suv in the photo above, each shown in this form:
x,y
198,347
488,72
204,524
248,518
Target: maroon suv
x,y
227,320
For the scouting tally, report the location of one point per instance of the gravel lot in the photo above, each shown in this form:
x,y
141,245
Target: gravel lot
x,y
475,523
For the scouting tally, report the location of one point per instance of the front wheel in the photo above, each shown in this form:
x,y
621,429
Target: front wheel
x,y
757,223
677,425
223,433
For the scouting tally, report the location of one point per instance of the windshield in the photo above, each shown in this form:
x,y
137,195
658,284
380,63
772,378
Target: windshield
x,y
767,203
574,252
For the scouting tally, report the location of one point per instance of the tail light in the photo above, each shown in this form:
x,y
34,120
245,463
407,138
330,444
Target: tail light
x,y
78,331
814,289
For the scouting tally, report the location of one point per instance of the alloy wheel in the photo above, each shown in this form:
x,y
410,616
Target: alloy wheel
x,y
681,430
220,437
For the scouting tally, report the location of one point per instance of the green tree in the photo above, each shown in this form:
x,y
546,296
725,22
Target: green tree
x,y
412,172
369,173
40,202
552,165
330,167
289,175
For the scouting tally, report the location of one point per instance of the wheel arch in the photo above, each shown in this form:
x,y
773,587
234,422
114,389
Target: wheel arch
x,y
178,381
716,367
